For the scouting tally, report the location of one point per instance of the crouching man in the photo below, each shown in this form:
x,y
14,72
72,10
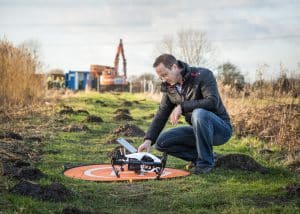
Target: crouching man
x,y
192,92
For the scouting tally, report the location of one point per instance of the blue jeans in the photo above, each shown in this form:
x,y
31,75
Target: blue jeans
x,y
195,143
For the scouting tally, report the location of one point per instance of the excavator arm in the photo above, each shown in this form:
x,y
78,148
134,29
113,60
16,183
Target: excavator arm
x,y
120,50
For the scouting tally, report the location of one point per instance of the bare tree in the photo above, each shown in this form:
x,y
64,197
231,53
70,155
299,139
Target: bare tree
x,y
33,46
192,46
168,44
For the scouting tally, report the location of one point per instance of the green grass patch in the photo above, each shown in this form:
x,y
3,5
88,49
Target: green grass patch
x,y
223,191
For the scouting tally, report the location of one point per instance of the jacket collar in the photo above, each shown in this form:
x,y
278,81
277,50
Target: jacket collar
x,y
186,70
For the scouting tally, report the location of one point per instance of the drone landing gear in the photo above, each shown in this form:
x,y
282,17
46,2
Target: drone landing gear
x,y
146,164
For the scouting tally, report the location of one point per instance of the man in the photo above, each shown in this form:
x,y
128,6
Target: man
x,y
191,92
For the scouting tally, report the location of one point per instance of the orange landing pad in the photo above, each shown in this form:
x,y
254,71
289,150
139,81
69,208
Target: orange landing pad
x,y
105,172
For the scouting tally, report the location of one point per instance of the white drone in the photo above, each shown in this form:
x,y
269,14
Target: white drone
x,y
140,162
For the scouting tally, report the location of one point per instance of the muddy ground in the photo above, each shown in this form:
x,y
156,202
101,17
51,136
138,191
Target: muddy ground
x,y
22,138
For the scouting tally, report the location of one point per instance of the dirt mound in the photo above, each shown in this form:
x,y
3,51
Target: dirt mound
x,y
93,119
119,117
82,111
54,192
21,163
18,150
122,111
74,210
29,173
294,165
277,123
122,114
127,103
239,162
34,138
11,135
67,110
70,110
20,170
75,128
129,130
293,190
102,103
99,102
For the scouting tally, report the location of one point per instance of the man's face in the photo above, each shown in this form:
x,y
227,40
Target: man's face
x,y
167,75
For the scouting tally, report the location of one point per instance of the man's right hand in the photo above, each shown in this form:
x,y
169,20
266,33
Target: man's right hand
x,y
146,146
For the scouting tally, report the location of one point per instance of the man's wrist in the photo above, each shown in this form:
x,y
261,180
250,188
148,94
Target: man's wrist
x,y
149,140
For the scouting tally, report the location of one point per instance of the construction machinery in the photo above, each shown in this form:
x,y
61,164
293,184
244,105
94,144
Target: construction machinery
x,y
108,78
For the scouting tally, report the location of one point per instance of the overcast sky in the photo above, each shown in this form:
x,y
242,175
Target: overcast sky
x,y
76,33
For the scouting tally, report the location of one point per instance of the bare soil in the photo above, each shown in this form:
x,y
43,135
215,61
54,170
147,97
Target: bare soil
x,y
10,135
127,103
20,170
93,119
82,111
239,162
129,130
54,192
293,190
121,116
74,210
122,111
67,110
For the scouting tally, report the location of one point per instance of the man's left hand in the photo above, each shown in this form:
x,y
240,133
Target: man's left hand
x,y
175,115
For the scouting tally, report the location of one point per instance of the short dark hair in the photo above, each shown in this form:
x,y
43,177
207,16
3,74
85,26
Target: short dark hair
x,y
166,59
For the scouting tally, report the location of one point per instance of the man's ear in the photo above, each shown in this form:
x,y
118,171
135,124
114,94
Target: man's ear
x,y
175,67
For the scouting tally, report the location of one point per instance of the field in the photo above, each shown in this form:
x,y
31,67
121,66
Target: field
x,y
56,135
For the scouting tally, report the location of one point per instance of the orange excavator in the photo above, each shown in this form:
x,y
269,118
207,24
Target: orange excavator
x,y
108,78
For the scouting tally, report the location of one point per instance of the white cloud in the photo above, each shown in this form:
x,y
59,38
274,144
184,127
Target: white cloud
x,y
75,34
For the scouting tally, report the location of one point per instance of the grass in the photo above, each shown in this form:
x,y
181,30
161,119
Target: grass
x,y
223,191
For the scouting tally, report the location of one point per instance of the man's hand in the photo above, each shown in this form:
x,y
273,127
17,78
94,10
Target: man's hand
x,y
145,146
175,115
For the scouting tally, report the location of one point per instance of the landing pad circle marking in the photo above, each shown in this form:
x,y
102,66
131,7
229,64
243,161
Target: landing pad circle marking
x,y
105,172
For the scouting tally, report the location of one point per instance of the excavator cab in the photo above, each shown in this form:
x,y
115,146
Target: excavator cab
x,y
108,77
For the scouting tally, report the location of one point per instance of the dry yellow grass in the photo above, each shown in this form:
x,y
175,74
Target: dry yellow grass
x,y
274,119
19,83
